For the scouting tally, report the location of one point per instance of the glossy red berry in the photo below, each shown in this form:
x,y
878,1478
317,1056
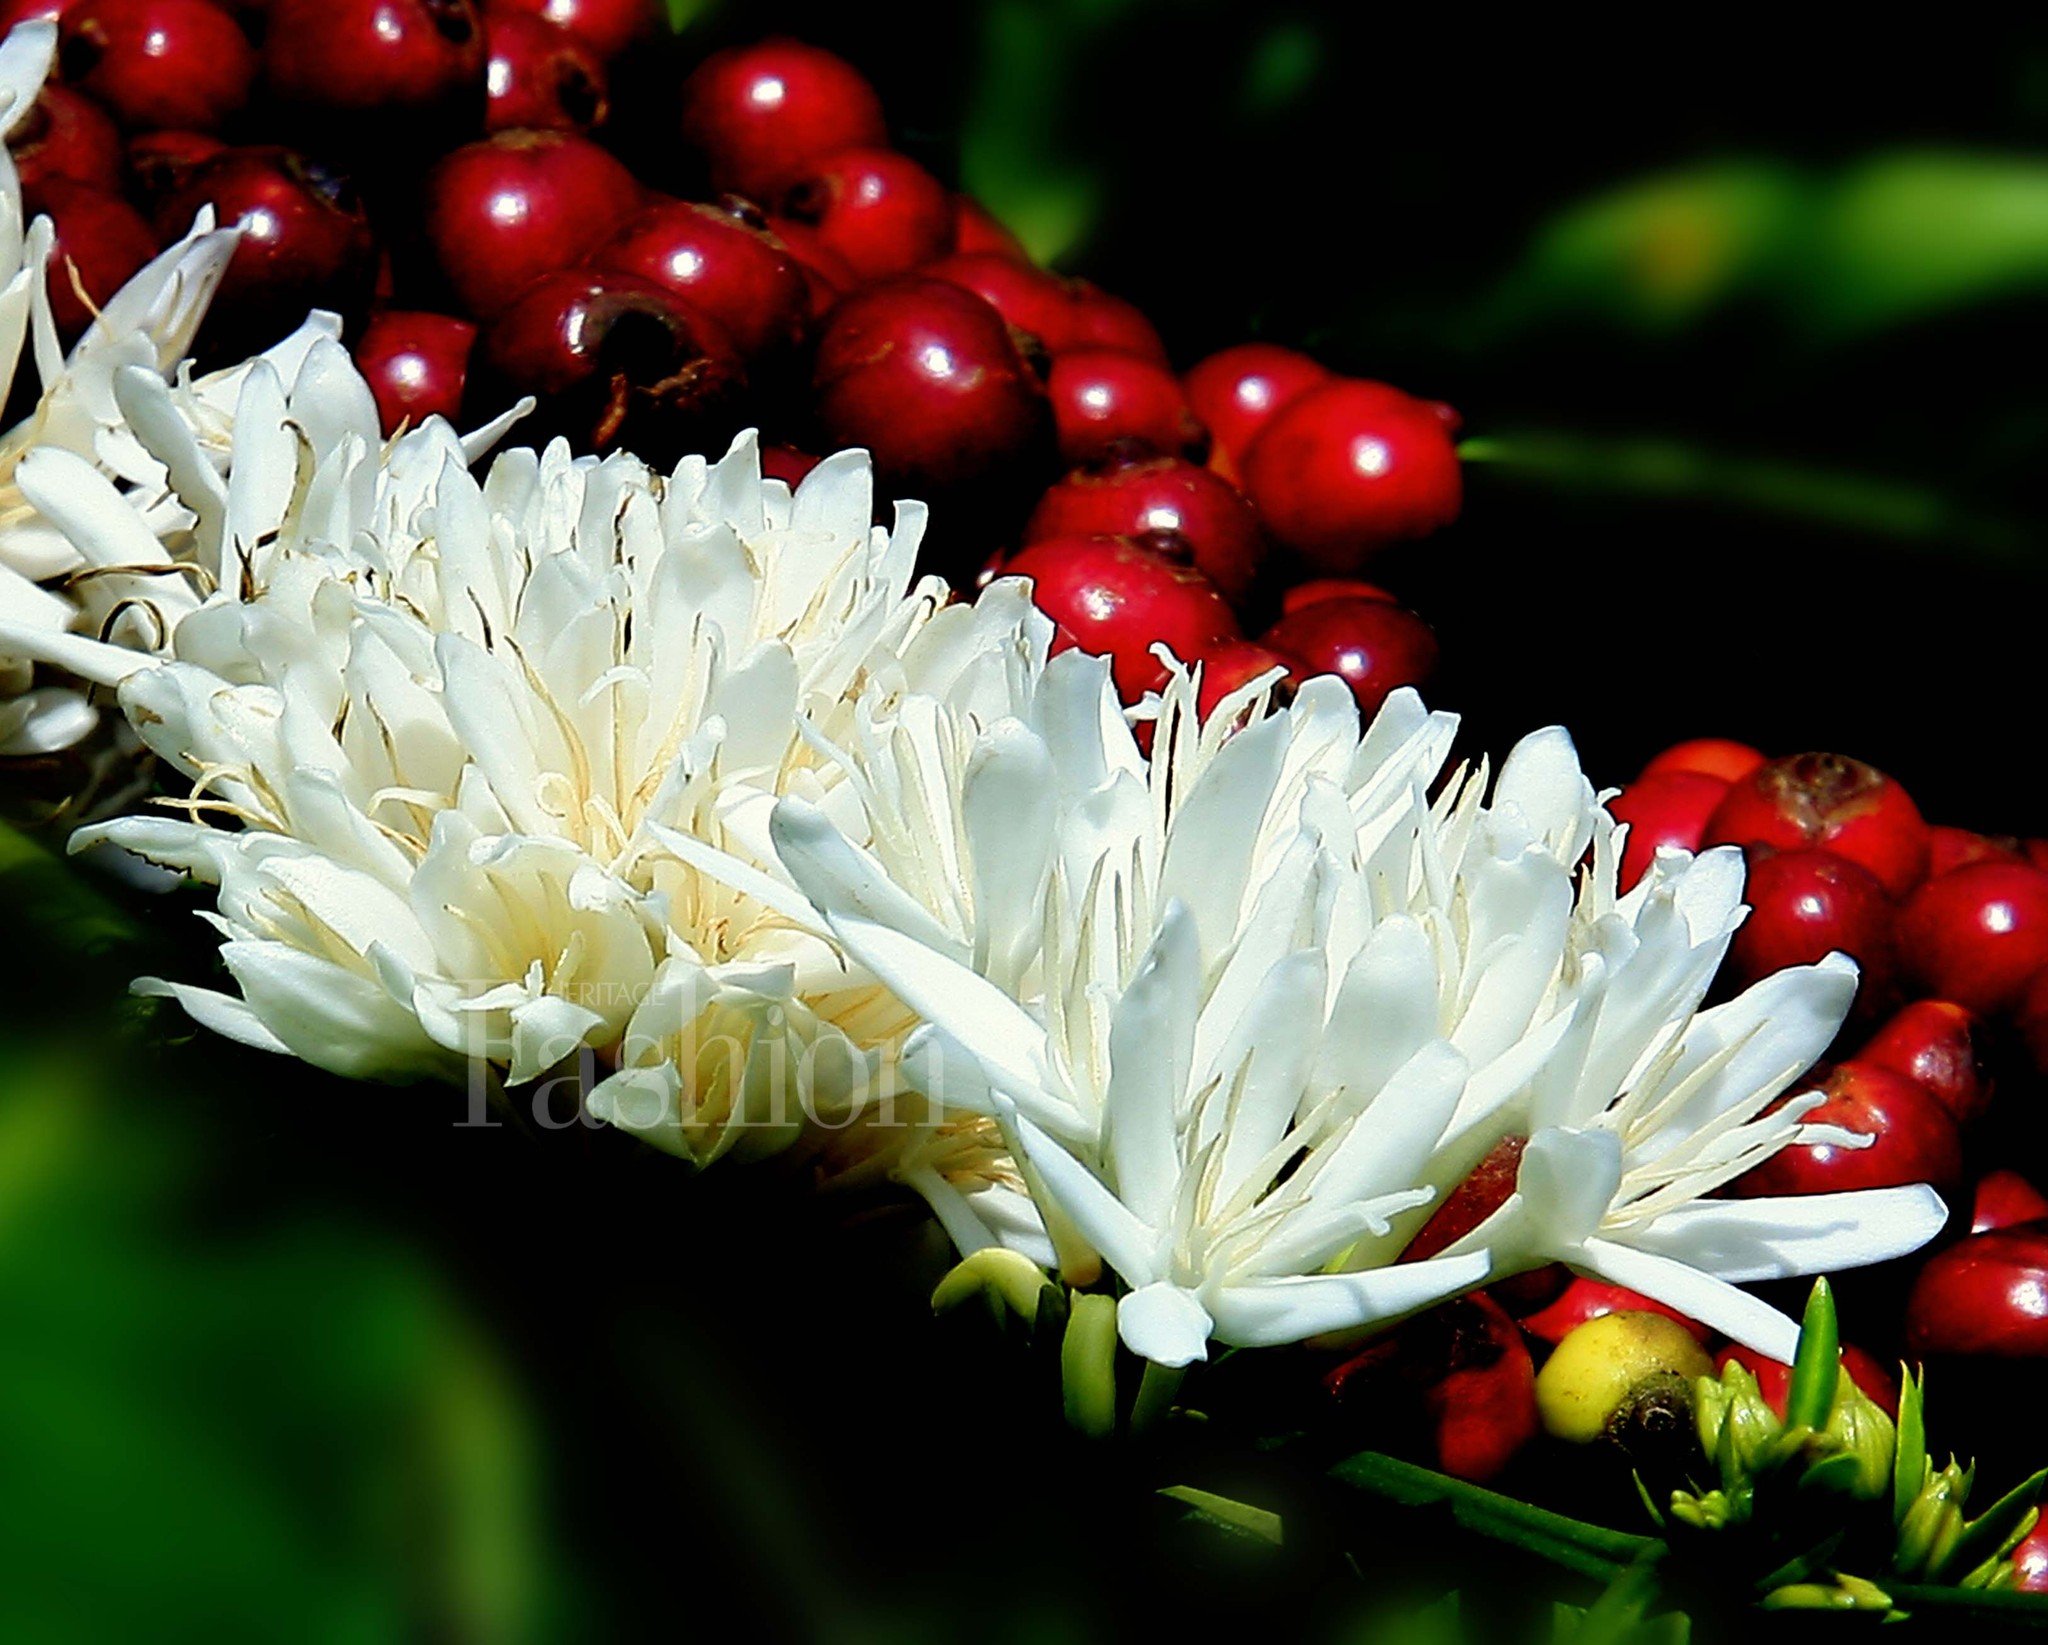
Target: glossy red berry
x,y
1134,496
65,134
101,242
613,361
1830,801
879,212
397,75
1116,598
1987,1294
932,382
1062,314
1350,467
1958,847
1913,1140
1774,1376
152,63
1237,391
1317,589
607,27
15,12
1586,1298
501,213
1235,664
975,229
761,115
1670,810
2030,1558
416,364
158,163
1978,934
1106,404
826,276
306,241
2031,1019
2004,1198
540,77
1805,905
740,275
1721,757
1374,646
1939,1044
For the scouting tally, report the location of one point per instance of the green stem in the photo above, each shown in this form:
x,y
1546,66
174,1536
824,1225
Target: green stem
x,y
1672,470
1576,1544
1155,1396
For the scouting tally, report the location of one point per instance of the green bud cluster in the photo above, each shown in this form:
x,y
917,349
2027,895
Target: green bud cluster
x,y
1836,1484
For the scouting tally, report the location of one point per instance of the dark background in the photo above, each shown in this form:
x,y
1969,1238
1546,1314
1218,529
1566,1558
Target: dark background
x,y
1748,321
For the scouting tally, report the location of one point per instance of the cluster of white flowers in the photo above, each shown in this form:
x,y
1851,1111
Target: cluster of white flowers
x,y
683,781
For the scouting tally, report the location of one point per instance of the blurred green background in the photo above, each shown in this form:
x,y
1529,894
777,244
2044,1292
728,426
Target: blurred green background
x,y
1746,330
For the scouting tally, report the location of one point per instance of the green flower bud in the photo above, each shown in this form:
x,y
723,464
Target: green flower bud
x,y
1933,1524
1858,1427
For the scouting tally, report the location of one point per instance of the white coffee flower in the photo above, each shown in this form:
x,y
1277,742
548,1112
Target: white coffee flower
x,y
1269,1001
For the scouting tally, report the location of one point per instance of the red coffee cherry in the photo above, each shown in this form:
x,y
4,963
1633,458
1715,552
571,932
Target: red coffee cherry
x,y
1978,935
1234,664
1373,646
1939,1044
606,27
1835,803
1670,809
1131,497
154,63
741,276
1107,404
1238,391
761,115
540,77
1984,1295
1117,598
879,212
1346,469
101,242
1721,757
1913,1140
975,230
67,135
402,77
1805,905
417,365
2004,1198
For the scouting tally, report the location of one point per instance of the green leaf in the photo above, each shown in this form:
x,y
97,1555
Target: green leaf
x,y
1985,1536
1260,1524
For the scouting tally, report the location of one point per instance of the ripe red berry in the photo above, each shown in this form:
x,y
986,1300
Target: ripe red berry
x,y
2031,1019
738,274
878,211
152,63
1375,646
826,276
416,364
1939,1044
2030,1558
1587,1298
65,134
1234,664
101,242
1774,1376
1106,404
1317,589
13,12
976,230
613,361
2004,1198
1238,391
1978,934
1710,756
607,27
160,162
306,241
1987,1294
399,76
931,381
541,77
501,213
1350,467
1830,801
1956,847
761,115
1135,496
1062,314
1667,810
1114,597
1805,905
1913,1140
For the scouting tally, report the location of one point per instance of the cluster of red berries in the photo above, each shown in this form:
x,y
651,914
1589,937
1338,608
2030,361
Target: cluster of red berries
x,y
437,172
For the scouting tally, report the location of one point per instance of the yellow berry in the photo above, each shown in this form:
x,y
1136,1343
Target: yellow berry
x,y
1608,1368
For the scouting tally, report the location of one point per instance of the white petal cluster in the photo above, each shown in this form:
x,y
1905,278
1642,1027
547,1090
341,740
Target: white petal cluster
x,y
1246,1013
146,328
